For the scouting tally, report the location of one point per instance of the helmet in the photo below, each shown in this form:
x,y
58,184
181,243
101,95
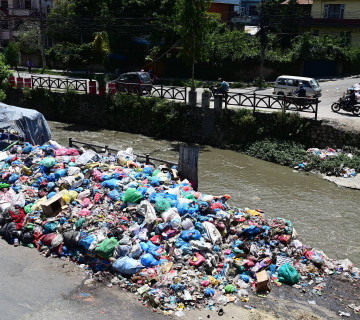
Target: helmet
x,y
351,89
220,79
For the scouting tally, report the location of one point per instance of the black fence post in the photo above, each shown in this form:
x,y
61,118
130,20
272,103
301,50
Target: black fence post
x,y
316,108
185,94
226,100
49,83
254,102
161,91
147,158
139,94
70,142
32,81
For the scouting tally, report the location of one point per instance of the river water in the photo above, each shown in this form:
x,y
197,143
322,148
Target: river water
x,y
324,215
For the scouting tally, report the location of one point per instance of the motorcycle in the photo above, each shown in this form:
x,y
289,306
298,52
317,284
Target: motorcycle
x,y
342,104
215,90
300,103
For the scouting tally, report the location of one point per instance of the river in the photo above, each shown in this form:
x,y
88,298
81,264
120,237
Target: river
x,y
324,215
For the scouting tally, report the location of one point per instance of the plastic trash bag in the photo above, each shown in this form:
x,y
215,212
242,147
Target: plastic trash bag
x,y
105,248
132,195
148,260
191,234
127,266
111,183
87,156
162,205
212,233
48,162
87,241
169,214
147,210
122,251
288,274
71,238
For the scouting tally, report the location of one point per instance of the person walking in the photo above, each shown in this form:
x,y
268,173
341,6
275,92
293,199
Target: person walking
x,y
29,65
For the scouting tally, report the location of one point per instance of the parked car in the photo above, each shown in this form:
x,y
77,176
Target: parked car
x,y
133,81
287,85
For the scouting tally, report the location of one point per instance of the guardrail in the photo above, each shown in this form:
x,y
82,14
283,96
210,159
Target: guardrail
x,y
259,101
100,149
149,90
59,83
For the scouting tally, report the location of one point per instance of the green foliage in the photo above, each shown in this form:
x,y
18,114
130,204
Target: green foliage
x,y
4,76
192,24
101,47
29,37
72,55
310,47
289,126
156,116
12,54
287,153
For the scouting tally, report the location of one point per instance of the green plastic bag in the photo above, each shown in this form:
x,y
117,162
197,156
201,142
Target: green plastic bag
x,y
288,274
4,185
79,222
105,249
48,162
28,207
132,195
162,205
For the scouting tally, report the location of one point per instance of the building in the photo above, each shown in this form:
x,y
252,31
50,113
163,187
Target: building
x,y
223,9
247,13
14,12
338,18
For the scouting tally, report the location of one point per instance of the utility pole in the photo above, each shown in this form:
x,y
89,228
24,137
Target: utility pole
x,y
262,41
42,36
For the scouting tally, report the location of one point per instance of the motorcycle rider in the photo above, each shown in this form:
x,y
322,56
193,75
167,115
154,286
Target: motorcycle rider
x,y
301,92
222,87
350,98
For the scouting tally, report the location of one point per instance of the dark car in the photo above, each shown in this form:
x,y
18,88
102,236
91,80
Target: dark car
x,y
133,82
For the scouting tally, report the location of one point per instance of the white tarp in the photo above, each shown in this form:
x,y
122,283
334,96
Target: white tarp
x,y
30,124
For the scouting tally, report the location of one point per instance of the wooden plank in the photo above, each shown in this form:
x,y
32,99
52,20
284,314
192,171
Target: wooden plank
x,y
188,164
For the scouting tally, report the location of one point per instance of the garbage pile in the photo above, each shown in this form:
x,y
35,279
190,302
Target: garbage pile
x,y
148,230
323,154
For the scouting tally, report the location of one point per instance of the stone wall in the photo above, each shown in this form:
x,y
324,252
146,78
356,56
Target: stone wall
x,y
219,129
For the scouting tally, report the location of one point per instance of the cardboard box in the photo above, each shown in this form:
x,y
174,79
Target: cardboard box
x,y
263,282
53,206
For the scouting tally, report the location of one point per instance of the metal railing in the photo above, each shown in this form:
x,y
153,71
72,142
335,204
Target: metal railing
x,y
149,90
260,101
102,149
50,83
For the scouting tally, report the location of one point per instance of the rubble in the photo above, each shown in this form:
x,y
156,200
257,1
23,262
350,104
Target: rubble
x,y
174,247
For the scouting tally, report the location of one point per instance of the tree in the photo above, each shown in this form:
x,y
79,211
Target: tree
x,y
29,37
12,53
191,25
5,73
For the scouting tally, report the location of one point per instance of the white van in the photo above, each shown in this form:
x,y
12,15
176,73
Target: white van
x,y
286,85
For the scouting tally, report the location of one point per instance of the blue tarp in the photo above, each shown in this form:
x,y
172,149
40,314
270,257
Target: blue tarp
x,y
30,124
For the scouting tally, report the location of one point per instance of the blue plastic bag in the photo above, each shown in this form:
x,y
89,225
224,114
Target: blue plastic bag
x,y
13,178
148,260
127,266
114,195
250,232
86,241
111,184
191,234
